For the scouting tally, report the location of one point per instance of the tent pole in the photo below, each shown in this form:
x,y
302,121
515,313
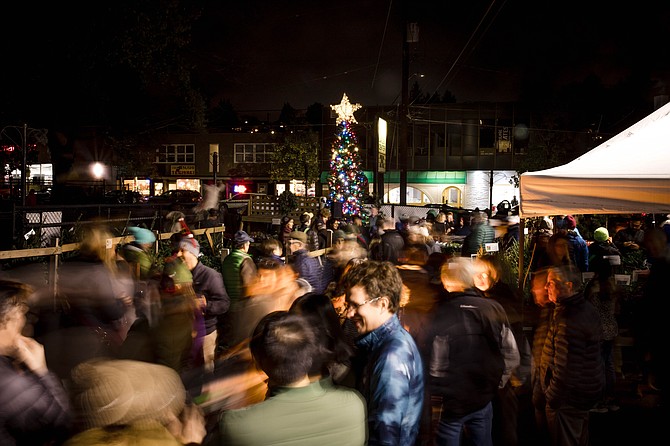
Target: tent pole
x,y
522,240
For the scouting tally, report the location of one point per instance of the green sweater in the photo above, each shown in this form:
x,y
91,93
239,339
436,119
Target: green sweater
x,y
319,414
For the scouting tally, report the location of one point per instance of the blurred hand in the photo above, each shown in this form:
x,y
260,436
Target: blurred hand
x,y
31,353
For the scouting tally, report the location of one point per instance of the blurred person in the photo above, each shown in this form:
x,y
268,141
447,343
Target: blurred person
x,y
138,253
297,410
571,371
239,271
213,219
539,244
95,305
344,248
601,291
472,354
507,402
558,250
353,232
274,288
209,289
394,400
390,244
481,233
651,313
511,238
579,251
418,299
176,338
337,353
372,226
308,267
132,402
541,324
34,406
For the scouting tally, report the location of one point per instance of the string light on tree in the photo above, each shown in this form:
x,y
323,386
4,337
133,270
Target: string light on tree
x,y
346,181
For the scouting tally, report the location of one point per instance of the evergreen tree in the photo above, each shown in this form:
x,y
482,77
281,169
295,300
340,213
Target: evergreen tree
x,y
346,180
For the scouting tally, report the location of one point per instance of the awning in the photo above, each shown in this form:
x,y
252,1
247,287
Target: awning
x,y
423,177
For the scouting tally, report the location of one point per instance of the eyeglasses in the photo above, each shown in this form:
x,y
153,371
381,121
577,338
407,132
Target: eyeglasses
x,y
351,306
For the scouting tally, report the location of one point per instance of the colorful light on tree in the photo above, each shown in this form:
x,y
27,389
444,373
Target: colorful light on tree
x,y
346,180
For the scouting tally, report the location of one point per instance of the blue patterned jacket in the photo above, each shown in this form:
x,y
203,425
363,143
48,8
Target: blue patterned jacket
x,y
392,383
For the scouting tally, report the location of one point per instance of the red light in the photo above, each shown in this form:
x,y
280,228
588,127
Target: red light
x,y
239,188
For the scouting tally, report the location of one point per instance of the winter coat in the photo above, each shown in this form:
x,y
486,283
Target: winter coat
x,y
310,269
33,409
571,371
467,354
395,400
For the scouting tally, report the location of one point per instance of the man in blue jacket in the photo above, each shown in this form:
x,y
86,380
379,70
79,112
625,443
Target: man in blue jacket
x,y
392,375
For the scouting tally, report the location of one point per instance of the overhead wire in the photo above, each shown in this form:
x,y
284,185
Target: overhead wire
x,y
381,44
466,47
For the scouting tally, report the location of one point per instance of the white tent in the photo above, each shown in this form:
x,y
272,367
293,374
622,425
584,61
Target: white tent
x,y
629,173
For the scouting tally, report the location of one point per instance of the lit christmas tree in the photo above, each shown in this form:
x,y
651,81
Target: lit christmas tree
x,y
346,181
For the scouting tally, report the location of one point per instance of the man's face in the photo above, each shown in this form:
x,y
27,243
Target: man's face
x,y
636,224
366,312
539,290
189,259
556,288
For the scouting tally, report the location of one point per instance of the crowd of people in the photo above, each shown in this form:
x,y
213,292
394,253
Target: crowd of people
x,y
334,331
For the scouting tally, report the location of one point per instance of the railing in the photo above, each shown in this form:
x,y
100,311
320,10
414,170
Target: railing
x,y
55,252
265,209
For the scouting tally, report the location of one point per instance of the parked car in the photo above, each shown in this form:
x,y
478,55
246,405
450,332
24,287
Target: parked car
x,y
182,197
123,196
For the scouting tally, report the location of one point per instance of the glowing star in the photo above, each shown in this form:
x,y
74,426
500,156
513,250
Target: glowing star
x,y
345,110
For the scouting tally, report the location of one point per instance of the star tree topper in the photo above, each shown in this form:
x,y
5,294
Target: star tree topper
x,y
345,110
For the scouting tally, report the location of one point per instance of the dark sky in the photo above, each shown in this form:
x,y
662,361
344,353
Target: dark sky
x,y
260,54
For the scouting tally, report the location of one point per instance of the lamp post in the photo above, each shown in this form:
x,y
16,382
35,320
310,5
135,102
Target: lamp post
x,y
39,135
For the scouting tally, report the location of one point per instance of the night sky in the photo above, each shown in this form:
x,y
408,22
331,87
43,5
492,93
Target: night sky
x,y
266,53
262,54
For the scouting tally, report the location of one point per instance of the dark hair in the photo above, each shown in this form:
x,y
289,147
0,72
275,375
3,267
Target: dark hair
x,y
319,311
379,279
12,295
269,245
284,346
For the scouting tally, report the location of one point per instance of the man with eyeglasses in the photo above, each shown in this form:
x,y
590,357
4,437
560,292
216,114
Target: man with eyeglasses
x,y
391,376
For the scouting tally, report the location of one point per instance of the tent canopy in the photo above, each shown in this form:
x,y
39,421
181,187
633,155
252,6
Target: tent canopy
x,y
629,173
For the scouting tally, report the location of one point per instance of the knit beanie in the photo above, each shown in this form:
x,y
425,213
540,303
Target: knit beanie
x,y
188,243
116,392
142,235
601,234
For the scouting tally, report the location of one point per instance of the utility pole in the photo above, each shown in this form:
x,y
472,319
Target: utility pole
x,y
23,164
404,101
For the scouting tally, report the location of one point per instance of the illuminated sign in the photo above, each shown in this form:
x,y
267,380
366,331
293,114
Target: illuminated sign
x,y
182,169
239,188
381,147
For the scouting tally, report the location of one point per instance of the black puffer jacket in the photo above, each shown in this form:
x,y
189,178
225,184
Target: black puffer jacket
x,y
33,410
571,370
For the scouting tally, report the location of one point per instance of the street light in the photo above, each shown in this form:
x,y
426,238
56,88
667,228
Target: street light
x,y
40,137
